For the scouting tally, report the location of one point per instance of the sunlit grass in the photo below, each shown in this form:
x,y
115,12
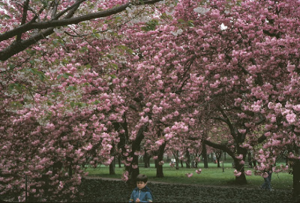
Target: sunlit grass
x,y
212,175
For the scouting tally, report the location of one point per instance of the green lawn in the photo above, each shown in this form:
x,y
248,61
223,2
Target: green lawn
x,y
209,176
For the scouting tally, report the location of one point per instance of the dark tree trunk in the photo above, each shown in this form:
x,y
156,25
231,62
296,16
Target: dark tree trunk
x,y
188,161
240,167
250,159
196,159
136,146
218,157
159,169
156,163
204,155
212,157
177,160
146,160
254,163
112,167
296,180
119,161
181,163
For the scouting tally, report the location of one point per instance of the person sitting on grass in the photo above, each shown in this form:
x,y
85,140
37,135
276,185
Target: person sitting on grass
x,y
141,193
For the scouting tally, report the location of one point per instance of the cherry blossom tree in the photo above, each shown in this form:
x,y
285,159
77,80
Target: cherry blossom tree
x,y
64,89
163,82
225,52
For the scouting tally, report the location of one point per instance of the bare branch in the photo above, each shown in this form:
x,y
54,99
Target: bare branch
x,y
24,16
54,9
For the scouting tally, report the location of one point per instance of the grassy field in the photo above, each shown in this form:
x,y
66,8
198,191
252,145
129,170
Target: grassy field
x,y
212,175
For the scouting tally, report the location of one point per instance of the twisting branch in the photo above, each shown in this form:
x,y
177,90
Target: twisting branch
x,y
19,46
228,122
219,146
54,9
24,16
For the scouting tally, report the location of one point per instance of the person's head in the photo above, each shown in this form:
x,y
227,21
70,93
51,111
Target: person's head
x,y
141,181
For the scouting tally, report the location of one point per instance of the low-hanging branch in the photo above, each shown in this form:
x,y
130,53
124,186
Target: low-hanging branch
x,y
20,45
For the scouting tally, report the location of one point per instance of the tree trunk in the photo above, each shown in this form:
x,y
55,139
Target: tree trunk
x,y
112,167
250,159
181,162
218,154
177,160
204,155
159,169
136,146
296,180
240,167
119,161
188,161
133,172
146,160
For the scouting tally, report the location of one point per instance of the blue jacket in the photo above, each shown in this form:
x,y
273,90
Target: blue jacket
x,y
144,195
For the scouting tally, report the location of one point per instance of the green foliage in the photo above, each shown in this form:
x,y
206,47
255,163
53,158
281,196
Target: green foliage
x,y
124,48
65,75
31,52
17,86
150,25
40,74
166,16
188,23
83,49
16,104
77,104
71,88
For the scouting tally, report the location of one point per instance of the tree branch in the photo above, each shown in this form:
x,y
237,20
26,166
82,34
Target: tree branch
x,y
227,121
219,146
24,16
63,22
15,48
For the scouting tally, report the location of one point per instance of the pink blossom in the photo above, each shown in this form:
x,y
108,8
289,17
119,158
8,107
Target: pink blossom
x,y
290,67
296,107
239,156
271,105
161,163
248,172
169,136
160,142
198,171
291,117
273,119
88,147
125,176
237,173
267,134
242,131
265,175
189,175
